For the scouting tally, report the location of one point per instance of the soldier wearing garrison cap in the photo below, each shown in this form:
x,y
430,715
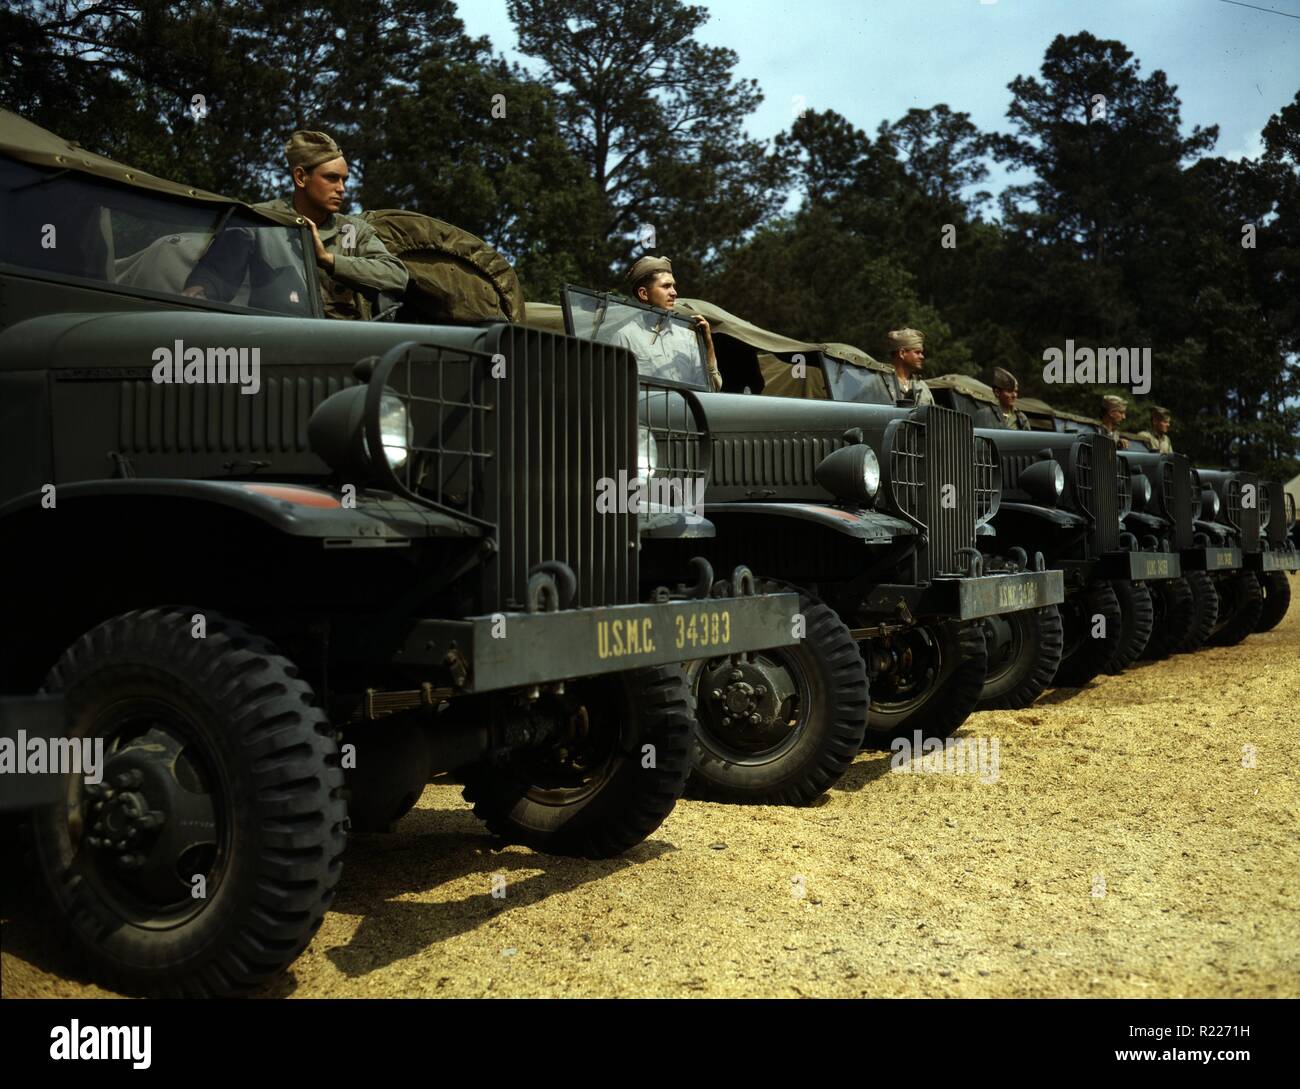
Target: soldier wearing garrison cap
x,y
1158,436
348,252
1113,412
905,352
1007,391
665,346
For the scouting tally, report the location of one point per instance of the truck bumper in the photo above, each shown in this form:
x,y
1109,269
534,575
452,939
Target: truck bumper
x,y
23,719
1141,566
1211,559
1274,560
511,650
966,598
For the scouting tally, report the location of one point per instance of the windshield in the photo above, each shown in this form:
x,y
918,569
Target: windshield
x,y
67,224
852,383
666,345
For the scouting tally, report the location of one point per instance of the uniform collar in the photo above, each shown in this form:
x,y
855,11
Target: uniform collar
x,y
325,229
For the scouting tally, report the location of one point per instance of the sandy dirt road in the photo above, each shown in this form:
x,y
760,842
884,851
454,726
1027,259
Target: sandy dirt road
x,y
1141,838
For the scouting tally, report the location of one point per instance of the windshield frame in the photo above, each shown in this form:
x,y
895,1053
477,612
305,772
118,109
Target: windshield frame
x,y
832,377
569,291
221,211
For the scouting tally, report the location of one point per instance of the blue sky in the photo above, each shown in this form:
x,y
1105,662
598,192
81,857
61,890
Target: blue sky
x,y
873,60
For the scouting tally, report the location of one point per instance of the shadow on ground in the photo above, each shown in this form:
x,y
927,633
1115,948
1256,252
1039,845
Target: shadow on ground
x,y
430,848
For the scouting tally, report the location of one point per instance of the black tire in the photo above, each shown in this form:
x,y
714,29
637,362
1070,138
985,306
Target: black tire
x,y
1024,651
1136,624
594,797
1276,587
812,713
1174,605
213,732
1205,612
934,699
1086,653
1241,601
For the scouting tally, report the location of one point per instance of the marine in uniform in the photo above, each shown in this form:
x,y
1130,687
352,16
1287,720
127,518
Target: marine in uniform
x,y
348,252
905,352
1158,437
1113,412
668,348
1007,391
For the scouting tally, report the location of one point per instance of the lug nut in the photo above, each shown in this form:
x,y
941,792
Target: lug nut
x,y
717,693
726,720
737,675
754,718
760,691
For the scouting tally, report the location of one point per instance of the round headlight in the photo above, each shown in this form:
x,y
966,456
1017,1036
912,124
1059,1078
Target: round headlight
x,y
394,429
647,454
1209,504
1044,481
870,473
851,473
1141,491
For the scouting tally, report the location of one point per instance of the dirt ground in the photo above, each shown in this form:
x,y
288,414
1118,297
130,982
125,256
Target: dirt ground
x,y
1142,838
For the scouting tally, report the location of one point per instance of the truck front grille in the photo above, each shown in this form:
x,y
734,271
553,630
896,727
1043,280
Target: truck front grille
x,y
1243,515
541,453
677,434
905,442
988,479
950,501
1096,489
1177,495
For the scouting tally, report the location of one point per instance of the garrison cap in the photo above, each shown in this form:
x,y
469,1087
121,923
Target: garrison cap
x,y
646,267
1110,401
1004,379
900,340
309,149
1159,413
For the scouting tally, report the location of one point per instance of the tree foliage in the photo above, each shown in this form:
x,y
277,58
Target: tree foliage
x,y
1124,229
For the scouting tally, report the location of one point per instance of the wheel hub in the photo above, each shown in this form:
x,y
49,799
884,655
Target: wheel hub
x,y
151,823
911,660
747,703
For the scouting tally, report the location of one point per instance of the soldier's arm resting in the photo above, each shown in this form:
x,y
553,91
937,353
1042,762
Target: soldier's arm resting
x,y
370,265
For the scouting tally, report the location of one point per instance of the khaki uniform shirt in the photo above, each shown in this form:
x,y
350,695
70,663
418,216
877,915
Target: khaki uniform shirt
x,y
663,348
366,263
917,391
1120,441
1015,420
1159,443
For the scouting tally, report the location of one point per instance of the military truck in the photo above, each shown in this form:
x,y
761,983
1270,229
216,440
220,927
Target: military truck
x,y
1278,555
1221,551
281,571
871,511
1140,567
